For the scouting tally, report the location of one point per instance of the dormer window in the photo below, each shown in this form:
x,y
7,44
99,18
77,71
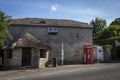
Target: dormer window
x,y
52,30
42,22
38,22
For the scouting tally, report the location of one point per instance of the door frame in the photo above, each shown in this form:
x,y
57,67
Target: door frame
x,y
26,56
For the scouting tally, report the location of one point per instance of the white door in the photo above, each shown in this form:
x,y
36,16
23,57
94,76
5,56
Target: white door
x,y
100,53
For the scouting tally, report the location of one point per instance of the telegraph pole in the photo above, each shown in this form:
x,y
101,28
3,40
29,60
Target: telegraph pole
x,y
62,54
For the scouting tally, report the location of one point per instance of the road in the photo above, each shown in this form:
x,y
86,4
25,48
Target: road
x,y
77,72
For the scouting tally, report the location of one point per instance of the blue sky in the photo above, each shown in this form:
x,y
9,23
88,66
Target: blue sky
x,y
79,10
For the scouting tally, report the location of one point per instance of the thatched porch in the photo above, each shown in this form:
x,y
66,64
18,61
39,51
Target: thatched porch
x,y
26,51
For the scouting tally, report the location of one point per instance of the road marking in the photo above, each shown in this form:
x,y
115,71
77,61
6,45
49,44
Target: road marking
x,y
48,73
58,72
93,68
15,78
72,70
68,71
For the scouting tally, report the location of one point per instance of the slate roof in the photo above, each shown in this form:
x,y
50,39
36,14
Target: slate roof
x,y
49,22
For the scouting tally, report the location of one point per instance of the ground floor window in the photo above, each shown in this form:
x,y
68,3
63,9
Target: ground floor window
x,y
42,53
9,53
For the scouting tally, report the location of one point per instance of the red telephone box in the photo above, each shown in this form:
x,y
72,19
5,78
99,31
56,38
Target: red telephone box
x,y
88,54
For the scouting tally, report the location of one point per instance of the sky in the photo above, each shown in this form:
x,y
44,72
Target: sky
x,y
79,10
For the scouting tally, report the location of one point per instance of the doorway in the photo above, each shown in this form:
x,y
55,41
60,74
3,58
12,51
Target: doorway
x,y
26,56
1,56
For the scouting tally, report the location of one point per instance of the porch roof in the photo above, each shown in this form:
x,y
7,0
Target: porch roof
x,y
27,40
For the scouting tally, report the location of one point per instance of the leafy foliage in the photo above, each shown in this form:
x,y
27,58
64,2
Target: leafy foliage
x,y
110,32
107,36
111,41
98,25
4,32
116,22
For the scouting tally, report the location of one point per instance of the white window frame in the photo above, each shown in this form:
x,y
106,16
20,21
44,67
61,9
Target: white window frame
x,y
53,29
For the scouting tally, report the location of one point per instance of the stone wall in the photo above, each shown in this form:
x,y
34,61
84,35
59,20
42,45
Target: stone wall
x,y
35,58
16,59
73,39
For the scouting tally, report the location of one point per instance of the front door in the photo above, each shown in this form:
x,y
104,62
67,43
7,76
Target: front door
x,y
26,56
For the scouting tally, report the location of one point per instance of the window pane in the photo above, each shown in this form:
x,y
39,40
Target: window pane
x,y
52,29
55,29
42,53
49,29
42,22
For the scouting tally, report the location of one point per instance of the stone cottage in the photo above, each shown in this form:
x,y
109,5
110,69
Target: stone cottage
x,y
36,41
26,51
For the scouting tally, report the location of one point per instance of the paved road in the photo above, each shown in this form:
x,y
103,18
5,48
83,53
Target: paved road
x,y
105,72
72,72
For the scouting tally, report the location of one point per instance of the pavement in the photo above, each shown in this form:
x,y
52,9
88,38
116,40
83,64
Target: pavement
x,y
44,74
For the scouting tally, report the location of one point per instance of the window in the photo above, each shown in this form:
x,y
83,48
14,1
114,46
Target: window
x,y
42,53
53,30
50,30
9,53
42,22
100,51
38,22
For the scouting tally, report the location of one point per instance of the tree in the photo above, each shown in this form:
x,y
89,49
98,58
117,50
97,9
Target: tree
x,y
110,32
116,22
4,32
98,24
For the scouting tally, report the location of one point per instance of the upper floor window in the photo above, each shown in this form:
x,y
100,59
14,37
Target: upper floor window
x,y
52,30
